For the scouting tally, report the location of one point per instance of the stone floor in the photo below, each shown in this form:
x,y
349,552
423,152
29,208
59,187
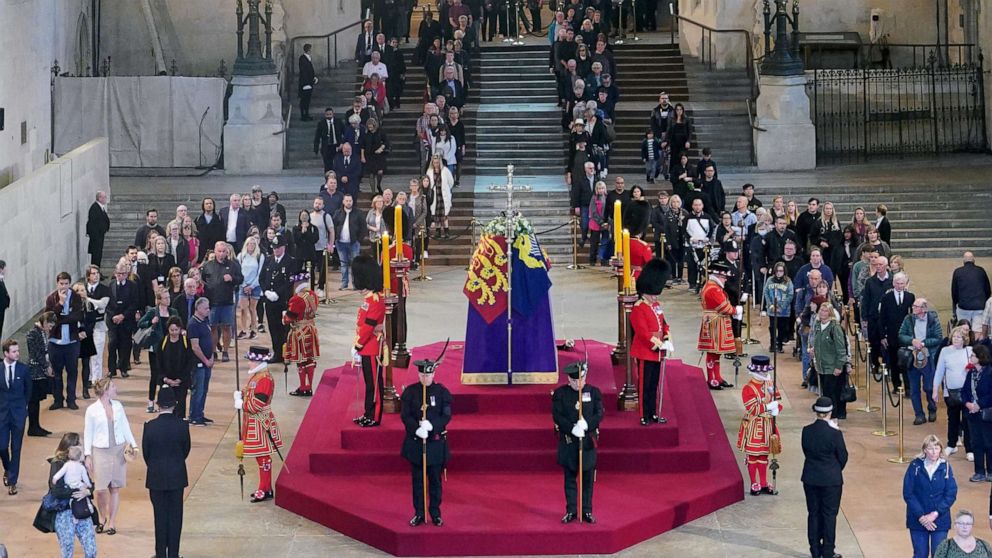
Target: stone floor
x,y
219,524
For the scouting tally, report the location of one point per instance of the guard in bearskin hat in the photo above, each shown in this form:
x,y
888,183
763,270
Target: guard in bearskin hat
x,y
302,344
368,344
259,428
754,437
716,335
425,408
635,219
652,342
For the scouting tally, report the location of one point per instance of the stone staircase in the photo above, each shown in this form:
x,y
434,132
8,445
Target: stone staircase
x,y
127,213
719,113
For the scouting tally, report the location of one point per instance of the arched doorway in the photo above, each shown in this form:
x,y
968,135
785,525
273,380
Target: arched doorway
x,y
83,54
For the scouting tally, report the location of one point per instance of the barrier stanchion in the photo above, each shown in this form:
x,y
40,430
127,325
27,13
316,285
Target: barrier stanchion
x,y
900,391
884,432
422,235
327,279
575,244
868,408
748,340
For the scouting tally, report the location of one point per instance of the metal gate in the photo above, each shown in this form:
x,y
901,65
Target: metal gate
x,y
865,113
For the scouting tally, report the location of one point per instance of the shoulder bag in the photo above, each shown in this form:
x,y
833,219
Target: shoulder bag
x,y
849,391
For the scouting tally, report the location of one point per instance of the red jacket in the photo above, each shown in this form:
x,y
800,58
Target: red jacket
x,y
371,314
640,254
648,321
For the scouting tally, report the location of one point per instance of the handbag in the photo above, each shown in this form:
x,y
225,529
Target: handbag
x,y
130,454
53,504
44,520
142,337
904,358
849,391
954,398
82,508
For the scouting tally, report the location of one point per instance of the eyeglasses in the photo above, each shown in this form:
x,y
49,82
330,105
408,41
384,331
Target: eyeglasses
x,y
964,523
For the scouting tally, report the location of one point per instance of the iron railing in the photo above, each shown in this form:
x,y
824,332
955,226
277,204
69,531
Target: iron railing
x,y
331,54
706,46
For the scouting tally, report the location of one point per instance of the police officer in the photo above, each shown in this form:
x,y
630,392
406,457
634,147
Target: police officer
x,y
426,433
573,431
277,288
825,457
730,253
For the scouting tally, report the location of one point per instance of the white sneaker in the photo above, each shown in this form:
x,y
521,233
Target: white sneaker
x,y
950,451
970,456
426,255
320,293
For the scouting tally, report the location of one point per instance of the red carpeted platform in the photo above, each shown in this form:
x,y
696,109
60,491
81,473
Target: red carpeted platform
x,y
503,494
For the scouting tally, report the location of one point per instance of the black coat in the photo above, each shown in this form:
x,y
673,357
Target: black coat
x,y
176,360
275,277
240,228
871,297
581,192
4,296
97,225
123,301
165,445
182,308
566,415
438,414
891,315
970,287
307,76
825,453
209,234
324,139
885,230
356,224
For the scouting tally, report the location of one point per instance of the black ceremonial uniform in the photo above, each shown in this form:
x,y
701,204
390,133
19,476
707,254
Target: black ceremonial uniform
x,y
823,482
275,277
438,414
564,410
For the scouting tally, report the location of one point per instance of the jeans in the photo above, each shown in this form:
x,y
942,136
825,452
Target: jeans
x,y
67,528
64,357
915,375
346,251
925,542
201,384
652,168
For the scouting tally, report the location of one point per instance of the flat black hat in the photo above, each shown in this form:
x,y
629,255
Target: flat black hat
x,y
653,277
729,246
166,397
823,405
577,369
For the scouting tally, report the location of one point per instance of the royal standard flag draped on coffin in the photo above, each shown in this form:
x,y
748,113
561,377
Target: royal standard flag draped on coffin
x,y
535,359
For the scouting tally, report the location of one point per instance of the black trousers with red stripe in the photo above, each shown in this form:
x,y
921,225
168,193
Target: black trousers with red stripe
x,y
650,372
372,373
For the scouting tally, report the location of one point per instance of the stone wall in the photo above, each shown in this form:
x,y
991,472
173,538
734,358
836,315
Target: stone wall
x,y
198,35
48,209
35,34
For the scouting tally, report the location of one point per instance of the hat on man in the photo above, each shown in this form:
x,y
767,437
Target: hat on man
x,y
366,273
278,241
823,405
719,268
580,121
257,353
653,277
729,246
166,398
760,366
636,216
577,369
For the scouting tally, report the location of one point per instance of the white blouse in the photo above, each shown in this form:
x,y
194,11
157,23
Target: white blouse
x,y
96,432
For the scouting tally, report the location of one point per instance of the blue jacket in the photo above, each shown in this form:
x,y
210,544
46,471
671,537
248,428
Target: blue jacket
x,y
984,388
14,401
778,294
924,495
907,332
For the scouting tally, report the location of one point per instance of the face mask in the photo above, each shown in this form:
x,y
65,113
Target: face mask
x,y
762,232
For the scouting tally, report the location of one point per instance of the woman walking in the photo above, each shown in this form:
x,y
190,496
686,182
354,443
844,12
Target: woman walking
x,y
106,437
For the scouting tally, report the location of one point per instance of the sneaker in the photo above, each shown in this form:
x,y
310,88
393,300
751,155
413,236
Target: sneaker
x,y
151,408
977,478
320,293
261,328
970,456
197,422
242,335
225,358
950,451
207,420
252,335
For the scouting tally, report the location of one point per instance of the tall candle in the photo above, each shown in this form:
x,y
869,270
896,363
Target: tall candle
x,y
398,231
385,264
626,261
617,227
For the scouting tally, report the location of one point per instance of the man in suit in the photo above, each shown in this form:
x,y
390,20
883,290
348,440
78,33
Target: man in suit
x,y
97,225
893,309
364,43
184,303
4,294
396,64
277,290
871,296
235,223
327,138
583,187
348,168
121,320
15,392
452,88
882,225
823,478
307,79
165,445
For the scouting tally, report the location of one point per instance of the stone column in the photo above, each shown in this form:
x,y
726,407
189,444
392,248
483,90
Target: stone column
x,y
253,143
782,110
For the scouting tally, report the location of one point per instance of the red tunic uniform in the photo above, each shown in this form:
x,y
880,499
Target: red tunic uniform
x,y
640,254
754,437
258,422
371,314
648,322
716,334
394,280
302,343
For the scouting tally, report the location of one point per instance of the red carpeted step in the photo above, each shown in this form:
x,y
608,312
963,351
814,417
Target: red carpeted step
x,y
494,504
